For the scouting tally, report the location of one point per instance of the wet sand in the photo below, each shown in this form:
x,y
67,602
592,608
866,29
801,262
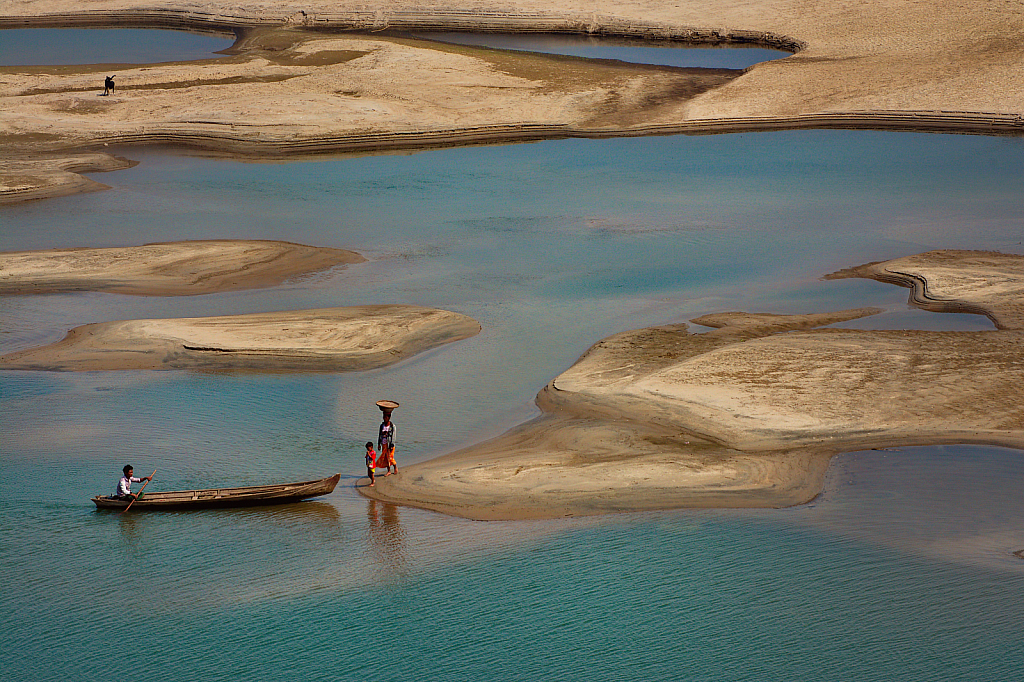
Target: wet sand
x,y
330,339
745,415
292,88
185,268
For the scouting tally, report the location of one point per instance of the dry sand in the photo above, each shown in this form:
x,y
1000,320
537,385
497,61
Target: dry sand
x,y
947,281
745,415
560,466
34,177
330,339
901,64
166,269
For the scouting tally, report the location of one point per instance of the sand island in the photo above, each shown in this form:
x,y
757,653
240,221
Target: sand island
x,y
330,339
748,414
336,77
185,268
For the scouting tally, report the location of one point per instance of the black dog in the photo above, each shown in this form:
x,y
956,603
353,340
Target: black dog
x,y
108,85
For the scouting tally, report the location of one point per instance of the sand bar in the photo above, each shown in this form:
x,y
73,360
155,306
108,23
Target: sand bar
x,y
330,339
42,177
557,466
302,80
747,414
184,268
983,282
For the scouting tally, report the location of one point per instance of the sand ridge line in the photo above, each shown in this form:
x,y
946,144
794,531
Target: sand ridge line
x,y
981,282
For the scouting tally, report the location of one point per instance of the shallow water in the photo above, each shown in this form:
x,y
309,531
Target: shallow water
x,y
52,46
903,564
636,52
49,46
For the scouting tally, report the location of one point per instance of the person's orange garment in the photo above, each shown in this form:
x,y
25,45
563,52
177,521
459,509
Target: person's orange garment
x,y
387,457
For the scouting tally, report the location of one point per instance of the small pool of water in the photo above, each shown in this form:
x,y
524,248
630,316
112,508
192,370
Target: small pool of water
x,y
636,52
61,46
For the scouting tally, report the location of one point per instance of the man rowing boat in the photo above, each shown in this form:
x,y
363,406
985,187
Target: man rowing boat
x,y
124,486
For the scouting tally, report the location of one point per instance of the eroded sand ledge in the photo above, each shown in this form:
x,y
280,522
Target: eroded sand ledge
x,y
743,415
948,281
292,88
34,177
185,268
330,339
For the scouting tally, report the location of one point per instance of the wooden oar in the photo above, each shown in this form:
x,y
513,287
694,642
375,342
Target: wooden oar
x,y
140,492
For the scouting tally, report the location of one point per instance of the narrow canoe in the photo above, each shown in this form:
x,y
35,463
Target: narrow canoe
x,y
249,496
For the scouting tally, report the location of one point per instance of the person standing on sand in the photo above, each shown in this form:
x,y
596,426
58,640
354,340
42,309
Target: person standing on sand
x,y
371,456
386,443
124,486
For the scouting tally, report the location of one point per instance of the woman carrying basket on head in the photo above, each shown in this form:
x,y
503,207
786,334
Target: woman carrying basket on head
x,y
386,438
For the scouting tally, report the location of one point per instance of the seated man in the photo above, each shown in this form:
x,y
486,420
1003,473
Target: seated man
x,y
124,486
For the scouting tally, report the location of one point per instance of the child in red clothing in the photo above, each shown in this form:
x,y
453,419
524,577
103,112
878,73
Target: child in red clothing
x,y
371,457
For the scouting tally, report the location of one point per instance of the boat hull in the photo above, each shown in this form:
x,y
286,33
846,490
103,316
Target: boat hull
x,y
221,498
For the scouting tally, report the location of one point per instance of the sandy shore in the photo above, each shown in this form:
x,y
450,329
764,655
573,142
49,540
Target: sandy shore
x,y
166,269
747,414
291,87
330,339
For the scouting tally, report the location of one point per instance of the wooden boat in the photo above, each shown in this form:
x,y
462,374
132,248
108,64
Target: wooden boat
x,y
216,498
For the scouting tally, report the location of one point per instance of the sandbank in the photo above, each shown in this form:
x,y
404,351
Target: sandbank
x,y
325,78
562,466
747,414
948,281
330,339
185,268
43,177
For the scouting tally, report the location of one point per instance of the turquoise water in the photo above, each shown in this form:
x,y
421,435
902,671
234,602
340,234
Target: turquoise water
x,y
637,52
902,569
50,46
